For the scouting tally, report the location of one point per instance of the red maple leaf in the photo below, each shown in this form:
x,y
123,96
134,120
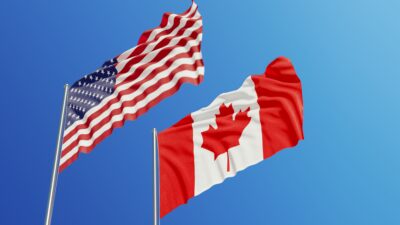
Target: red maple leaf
x,y
227,133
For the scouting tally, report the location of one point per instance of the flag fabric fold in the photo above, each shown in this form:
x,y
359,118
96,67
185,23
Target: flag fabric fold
x,y
237,130
130,84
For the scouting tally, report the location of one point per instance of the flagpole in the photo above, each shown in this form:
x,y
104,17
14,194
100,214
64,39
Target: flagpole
x,y
155,179
54,177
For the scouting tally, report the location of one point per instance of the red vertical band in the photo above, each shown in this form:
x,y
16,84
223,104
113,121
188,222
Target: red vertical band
x,y
176,165
281,106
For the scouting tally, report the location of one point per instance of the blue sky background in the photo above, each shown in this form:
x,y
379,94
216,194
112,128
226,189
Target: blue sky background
x,y
345,52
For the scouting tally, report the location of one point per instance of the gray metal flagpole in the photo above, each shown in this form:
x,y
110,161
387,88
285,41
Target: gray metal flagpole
x,y
54,177
155,179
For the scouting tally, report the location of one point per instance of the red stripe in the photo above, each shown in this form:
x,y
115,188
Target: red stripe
x,y
176,155
184,67
156,61
281,106
68,162
194,81
188,24
164,23
164,52
192,50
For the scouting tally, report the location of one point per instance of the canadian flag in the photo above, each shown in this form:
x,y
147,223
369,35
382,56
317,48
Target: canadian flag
x,y
237,130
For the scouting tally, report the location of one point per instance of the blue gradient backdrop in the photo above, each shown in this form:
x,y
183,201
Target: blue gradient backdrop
x,y
345,172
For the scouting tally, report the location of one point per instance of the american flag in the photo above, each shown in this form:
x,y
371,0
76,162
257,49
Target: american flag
x,y
130,84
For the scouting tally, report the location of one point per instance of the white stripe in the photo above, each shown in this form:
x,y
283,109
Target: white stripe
x,y
153,67
187,32
182,23
176,51
151,54
129,97
125,55
170,23
156,31
133,109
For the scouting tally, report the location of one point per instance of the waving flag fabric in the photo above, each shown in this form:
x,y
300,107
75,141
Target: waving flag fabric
x,y
237,130
130,84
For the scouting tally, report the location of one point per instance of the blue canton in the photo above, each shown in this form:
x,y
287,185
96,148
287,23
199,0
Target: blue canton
x,y
89,91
